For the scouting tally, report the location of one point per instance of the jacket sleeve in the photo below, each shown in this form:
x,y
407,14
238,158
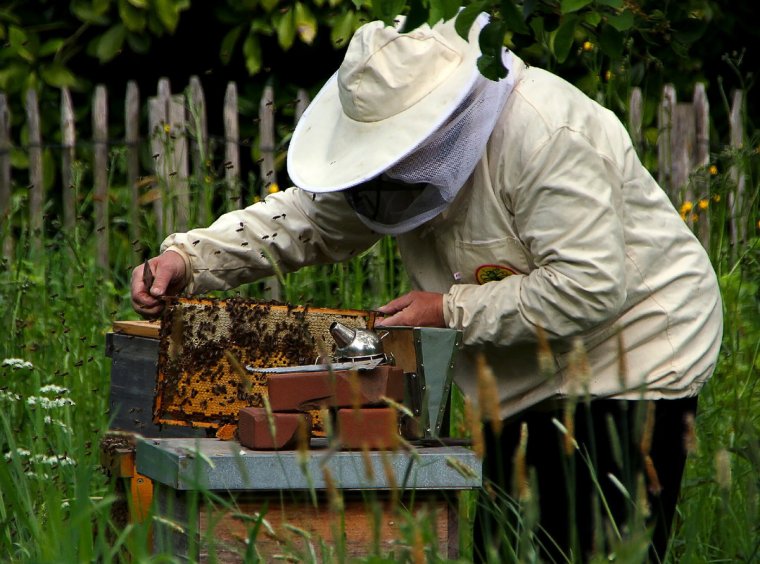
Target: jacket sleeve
x,y
288,229
568,212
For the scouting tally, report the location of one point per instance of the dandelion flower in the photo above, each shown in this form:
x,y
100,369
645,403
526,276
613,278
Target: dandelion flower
x,y
686,207
273,187
694,217
716,198
703,203
713,170
167,128
588,46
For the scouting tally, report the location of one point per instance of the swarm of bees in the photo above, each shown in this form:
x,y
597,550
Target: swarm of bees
x,y
206,343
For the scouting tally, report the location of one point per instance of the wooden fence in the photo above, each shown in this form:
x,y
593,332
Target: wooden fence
x,y
179,143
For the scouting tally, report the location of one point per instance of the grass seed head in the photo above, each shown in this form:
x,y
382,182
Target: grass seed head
x,y
723,469
475,426
488,393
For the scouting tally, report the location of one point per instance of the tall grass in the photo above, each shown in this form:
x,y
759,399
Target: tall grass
x,y
56,502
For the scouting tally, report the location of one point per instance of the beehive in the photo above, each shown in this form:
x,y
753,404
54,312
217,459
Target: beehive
x,y
205,345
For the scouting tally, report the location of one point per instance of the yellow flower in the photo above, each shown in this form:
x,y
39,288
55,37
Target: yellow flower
x,y
713,170
167,128
608,75
686,207
273,187
716,198
703,203
588,46
694,218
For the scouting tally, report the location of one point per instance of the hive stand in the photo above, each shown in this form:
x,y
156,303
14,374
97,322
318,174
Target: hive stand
x,y
210,493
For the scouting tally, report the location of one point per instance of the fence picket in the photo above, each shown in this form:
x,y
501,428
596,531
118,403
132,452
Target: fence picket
x,y
635,117
665,130
132,154
737,224
267,142
233,193
5,177
36,187
700,178
68,142
100,172
199,145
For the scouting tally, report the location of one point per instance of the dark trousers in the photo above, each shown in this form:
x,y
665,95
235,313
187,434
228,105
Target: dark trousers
x,y
571,512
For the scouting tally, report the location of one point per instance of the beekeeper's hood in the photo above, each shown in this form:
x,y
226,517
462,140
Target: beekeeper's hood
x,y
411,107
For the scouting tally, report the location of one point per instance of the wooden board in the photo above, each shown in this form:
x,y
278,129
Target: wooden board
x,y
292,526
150,329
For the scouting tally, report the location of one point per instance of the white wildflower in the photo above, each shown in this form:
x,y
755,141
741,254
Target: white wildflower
x,y
33,474
9,396
47,403
57,422
17,363
53,460
19,452
53,389
64,505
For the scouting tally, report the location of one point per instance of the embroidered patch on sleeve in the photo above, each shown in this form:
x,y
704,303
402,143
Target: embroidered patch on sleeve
x,y
492,273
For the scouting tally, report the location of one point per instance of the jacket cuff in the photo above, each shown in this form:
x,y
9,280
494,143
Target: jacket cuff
x,y
187,287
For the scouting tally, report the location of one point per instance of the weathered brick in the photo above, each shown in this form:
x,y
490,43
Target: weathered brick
x,y
371,427
254,431
301,391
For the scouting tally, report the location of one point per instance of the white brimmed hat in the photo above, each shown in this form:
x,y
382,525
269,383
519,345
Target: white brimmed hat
x,y
390,93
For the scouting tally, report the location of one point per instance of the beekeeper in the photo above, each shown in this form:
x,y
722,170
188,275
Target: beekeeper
x,y
518,206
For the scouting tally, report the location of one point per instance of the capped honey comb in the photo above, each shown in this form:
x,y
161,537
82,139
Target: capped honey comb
x,y
205,345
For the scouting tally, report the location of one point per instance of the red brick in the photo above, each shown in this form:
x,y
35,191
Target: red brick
x,y
302,391
254,431
374,428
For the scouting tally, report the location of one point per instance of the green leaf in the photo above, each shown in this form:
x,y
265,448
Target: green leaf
x,y
139,42
418,14
306,23
611,42
343,28
592,18
569,6
467,17
443,10
143,4
617,4
387,10
512,17
563,38
51,46
285,25
622,21
252,52
491,67
491,42
168,13
12,77
269,5
110,43
56,74
87,14
228,44
133,18
19,40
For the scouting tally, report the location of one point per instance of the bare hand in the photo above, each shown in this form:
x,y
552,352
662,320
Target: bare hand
x,y
168,280
415,309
